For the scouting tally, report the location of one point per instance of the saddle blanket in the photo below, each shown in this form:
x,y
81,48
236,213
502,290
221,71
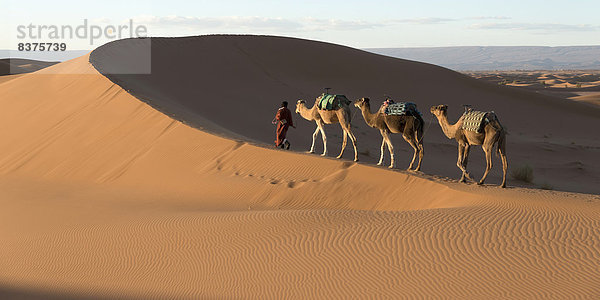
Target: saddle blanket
x,y
401,109
328,101
474,120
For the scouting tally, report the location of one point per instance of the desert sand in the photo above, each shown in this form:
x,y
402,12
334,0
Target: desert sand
x,y
105,196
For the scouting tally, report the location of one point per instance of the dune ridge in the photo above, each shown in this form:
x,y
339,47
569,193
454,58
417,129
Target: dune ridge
x,y
14,66
104,196
232,85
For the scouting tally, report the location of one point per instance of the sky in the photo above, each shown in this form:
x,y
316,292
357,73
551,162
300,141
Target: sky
x,y
361,24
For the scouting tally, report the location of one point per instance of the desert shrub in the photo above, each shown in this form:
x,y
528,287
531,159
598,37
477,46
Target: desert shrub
x,y
522,173
546,186
579,85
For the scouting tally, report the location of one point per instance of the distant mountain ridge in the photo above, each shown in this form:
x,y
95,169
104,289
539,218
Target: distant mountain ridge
x,y
479,58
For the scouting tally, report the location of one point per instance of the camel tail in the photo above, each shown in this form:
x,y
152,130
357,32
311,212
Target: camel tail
x,y
501,145
419,133
501,152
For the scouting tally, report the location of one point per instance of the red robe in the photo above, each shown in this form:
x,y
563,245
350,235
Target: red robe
x,y
284,121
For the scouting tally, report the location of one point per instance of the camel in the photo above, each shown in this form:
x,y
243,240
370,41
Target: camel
x,y
410,127
321,117
493,134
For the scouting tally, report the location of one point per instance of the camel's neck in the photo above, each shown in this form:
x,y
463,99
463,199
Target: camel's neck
x,y
306,113
367,115
448,129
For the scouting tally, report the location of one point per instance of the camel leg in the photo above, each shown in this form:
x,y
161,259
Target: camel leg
x,y
388,141
502,150
314,136
420,145
382,149
504,168
459,162
414,145
488,159
467,150
344,142
419,138
324,139
353,140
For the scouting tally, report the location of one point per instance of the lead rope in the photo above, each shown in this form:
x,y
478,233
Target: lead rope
x,y
426,129
353,115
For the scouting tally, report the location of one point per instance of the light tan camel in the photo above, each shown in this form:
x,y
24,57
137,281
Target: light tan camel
x,y
321,117
492,134
410,127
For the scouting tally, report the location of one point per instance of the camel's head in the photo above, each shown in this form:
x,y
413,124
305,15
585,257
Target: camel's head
x,y
361,102
439,110
299,104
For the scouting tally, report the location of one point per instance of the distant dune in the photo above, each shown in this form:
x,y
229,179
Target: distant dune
x,y
478,58
43,55
578,85
104,196
14,66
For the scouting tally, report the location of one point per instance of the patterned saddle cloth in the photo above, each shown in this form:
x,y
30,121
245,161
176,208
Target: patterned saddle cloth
x,y
400,108
331,102
474,120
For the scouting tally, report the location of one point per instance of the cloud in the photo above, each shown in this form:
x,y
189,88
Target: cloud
x,y
431,20
220,22
307,24
540,27
438,20
255,23
101,21
335,24
488,18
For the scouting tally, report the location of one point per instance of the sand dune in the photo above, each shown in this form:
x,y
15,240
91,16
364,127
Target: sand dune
x,y
6,78
13,66
104,196
232,85
591,97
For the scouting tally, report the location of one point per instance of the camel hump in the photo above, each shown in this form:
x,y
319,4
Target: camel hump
x,y
332,102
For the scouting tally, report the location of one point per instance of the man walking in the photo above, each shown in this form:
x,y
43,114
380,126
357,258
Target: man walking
x,y
283,119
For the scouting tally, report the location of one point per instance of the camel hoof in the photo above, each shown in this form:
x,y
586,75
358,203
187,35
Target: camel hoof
x,y
390,167
339,157
324,154
380,164
480,183
356,160
503,186
311,151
